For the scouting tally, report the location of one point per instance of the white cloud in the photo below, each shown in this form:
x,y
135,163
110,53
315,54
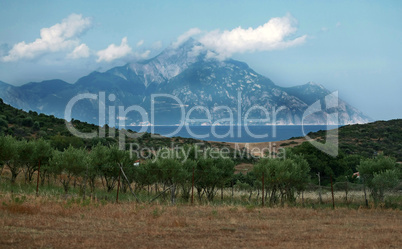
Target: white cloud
x,y
338,24
184,37
157,45
145,54
269,36
81,51
140,43
196,51
56,38
113,52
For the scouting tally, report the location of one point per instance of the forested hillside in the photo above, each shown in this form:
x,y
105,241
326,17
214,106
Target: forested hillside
x,y
369,140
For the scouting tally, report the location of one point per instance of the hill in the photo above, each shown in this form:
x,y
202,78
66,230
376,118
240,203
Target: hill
x,y
369,140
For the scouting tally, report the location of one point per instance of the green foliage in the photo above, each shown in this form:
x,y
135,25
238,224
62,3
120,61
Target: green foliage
x,y
36,126
101,159
70,163
283,177
102,163
23,155
319,161
9,155
26,151
370,139
42,151
28,121
61,143
380,174
3,123
212,173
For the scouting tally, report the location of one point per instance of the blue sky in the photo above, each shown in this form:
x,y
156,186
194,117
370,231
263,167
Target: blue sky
x,y
354,47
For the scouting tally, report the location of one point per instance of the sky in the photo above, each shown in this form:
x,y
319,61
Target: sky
x,y
354,47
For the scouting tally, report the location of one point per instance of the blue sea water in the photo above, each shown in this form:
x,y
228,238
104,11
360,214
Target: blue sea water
x,y
241,134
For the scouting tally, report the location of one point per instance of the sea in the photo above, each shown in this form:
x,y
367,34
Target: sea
x,y
234,134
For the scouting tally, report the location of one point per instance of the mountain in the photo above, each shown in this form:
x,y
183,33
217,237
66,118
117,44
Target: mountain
x,y
180,84
311,92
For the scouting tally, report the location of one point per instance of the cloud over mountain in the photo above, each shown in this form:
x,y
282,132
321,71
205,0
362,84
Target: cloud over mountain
x,y
269,36
81,51
113,52
58,37
184,37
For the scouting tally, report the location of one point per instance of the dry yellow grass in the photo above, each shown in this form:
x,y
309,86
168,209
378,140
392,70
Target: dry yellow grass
x,y
44,223
258,149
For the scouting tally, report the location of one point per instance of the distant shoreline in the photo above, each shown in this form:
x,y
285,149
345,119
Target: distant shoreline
x,y
235,125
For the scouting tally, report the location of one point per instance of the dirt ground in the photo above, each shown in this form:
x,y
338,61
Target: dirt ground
x,y
261,149
42,223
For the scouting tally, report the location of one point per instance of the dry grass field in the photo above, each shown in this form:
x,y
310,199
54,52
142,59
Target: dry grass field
x,y
44,222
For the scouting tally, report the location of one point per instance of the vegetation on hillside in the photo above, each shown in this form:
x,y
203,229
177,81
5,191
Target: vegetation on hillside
x,y
370,140
28,140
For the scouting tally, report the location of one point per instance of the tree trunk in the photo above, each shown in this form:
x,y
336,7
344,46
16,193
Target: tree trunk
x,y
31,173
232,191
319,187
365,195
65,186
221,193
173,189
42,175
14,175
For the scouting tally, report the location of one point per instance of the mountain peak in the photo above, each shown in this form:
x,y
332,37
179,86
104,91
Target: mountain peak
x,y
189,49
170,62
186,44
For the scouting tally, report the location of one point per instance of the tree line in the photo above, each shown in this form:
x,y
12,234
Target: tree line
x,y
276,180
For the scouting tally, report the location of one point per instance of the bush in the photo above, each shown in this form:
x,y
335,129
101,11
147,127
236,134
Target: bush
x,y
36,126
3,123
28,122
380,174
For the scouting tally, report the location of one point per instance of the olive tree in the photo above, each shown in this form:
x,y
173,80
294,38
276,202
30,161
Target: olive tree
x,y
282,177
105,166
9,156
121,160
26,151
379,174
98,157
42,153
145,174
171,172
68,164
186,177
211,174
